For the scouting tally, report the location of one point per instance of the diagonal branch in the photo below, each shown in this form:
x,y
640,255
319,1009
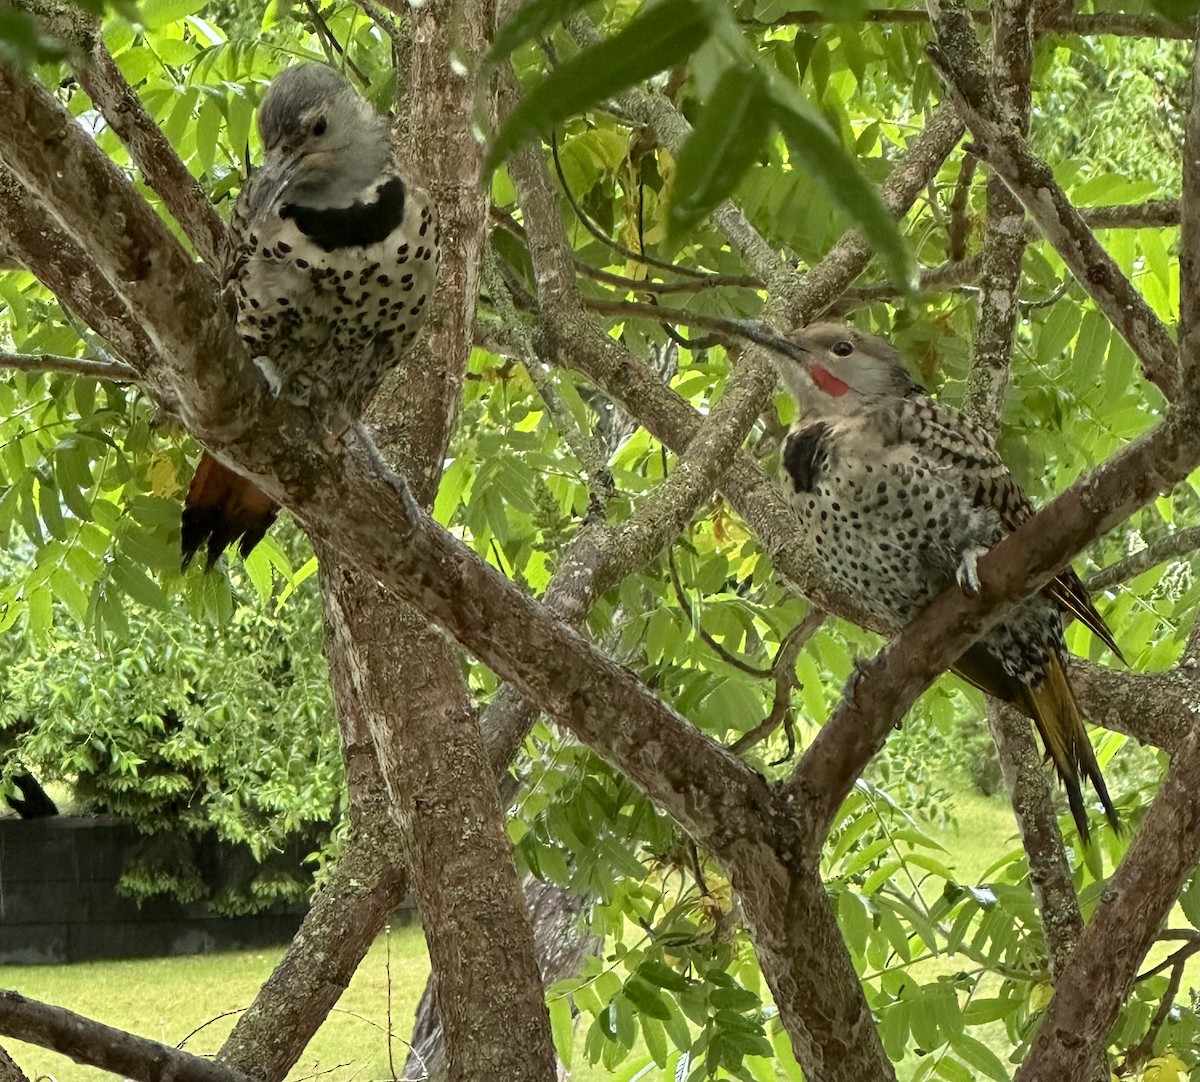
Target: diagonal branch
x,y
74,366
1062,22
1189,237
124,112
1017,567
1172,547
30,234
86,1041
1135,902
958,58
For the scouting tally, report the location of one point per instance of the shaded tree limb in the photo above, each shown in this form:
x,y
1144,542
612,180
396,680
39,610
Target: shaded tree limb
x,y
369,880
1135,1059
1029,790
958,59
73,366
9,1071
1136,900
1117,24
125,114
87,1041
1189,236
1160,551
33,236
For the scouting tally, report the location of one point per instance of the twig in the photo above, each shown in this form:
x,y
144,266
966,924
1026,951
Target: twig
x,y
116,371
1172,547
956,55
694,619
604,238
637,285
959,223
582,444
784,669
1137,1056
752,330
1116,24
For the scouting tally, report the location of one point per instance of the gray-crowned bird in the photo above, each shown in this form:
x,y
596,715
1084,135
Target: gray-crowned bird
x,y
333,262
901,495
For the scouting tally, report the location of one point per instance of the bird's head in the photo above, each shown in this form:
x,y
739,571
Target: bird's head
x,y
322,143
842,366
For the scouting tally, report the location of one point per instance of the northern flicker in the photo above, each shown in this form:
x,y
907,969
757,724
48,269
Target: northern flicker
x,y
333,261
901,495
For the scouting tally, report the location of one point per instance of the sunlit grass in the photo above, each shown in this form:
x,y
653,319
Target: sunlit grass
x,y
167,999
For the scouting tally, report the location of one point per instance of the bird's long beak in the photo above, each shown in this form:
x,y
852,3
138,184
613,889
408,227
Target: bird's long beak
x,y
277,171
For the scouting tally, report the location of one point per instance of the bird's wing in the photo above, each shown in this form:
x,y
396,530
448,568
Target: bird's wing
x,y
956,440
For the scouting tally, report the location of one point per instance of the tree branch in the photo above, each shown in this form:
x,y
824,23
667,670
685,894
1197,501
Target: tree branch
x,y
9,1071
124,112
1189,237
86,1041
1165,549
1116,24
73,366
1134,904
957,57
33,236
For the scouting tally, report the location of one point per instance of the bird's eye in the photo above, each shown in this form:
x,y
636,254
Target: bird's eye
x,y
319,127
842,349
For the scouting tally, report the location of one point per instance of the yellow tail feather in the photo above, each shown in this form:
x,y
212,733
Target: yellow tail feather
x,y
1056,713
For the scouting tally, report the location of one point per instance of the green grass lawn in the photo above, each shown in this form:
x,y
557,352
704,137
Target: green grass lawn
x,y
195,1000
167,999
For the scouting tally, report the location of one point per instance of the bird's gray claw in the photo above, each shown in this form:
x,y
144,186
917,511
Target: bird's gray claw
x,y
968,571
270,374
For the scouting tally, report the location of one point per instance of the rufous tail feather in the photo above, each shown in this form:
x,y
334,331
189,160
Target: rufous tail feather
x,y
222,507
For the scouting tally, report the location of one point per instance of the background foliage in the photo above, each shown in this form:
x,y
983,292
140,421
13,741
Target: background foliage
x,y
197,703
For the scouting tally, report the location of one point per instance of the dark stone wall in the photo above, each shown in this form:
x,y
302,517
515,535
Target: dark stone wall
x,y
59,903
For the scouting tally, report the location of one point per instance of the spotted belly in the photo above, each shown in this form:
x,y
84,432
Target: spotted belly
x,y
325,326
892,533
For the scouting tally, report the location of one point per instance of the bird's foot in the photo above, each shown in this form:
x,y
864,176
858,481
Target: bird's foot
x,y
859,667
968,571
270,373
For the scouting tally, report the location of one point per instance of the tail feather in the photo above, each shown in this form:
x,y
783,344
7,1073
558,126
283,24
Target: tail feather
x,y
1052,705
221,507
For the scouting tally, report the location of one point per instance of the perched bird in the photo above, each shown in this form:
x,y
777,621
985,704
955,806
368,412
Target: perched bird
x,y
901,495
333,261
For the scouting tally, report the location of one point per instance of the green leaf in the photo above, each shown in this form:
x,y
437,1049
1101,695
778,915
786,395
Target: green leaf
x,y
646,998
40,607
657,38
978,1055
819,152
655,1038
727,136
562,1027
138,585
532,20
662,975
155,14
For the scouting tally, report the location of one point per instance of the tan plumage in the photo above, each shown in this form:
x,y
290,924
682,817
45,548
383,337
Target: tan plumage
x,y
333,259
901,495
